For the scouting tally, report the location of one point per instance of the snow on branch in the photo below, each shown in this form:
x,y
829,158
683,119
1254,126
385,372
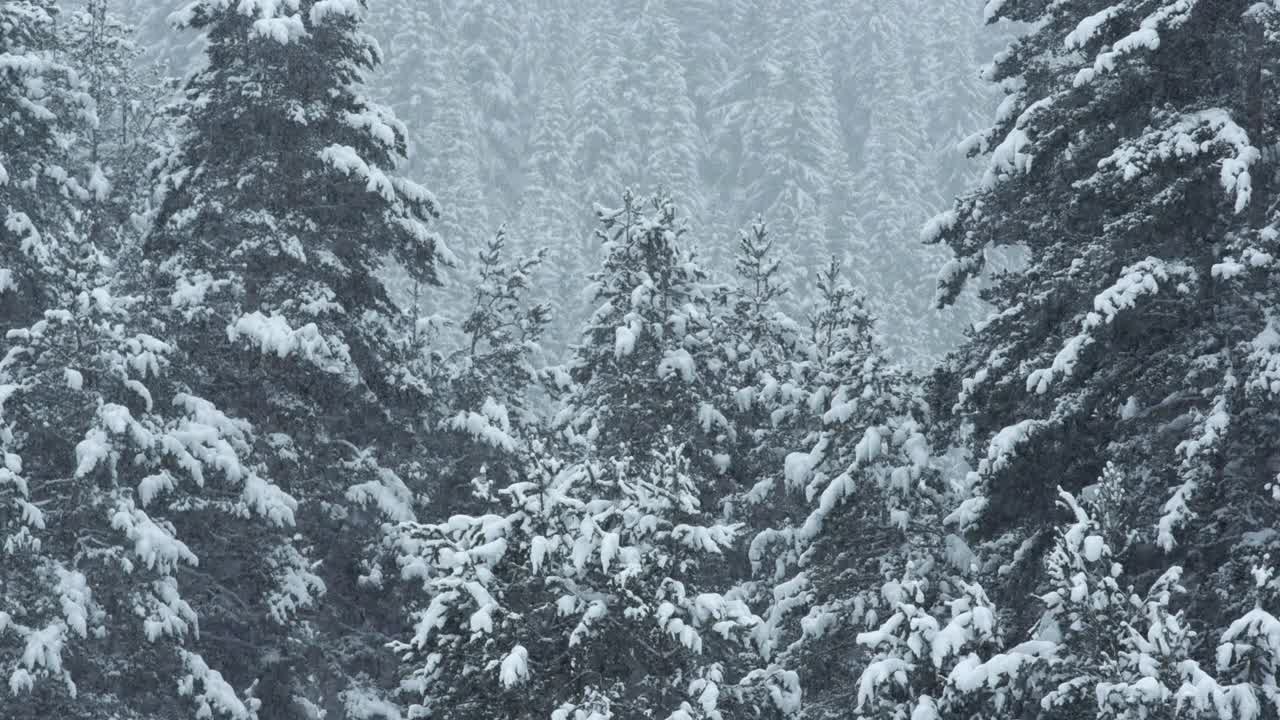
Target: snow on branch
x,y
273,334
1185,137
1140,279
1170,15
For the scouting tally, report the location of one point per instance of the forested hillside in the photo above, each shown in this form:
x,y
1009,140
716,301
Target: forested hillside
x,y
378,360
835,121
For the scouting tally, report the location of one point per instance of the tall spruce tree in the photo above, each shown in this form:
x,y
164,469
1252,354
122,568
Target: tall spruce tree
x,y
596,129
1141,332
278,208
483,389
118,481
649,358
766,359
138,518
549,216
857,501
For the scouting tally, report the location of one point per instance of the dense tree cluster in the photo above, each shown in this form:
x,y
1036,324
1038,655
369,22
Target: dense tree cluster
x,y
258,462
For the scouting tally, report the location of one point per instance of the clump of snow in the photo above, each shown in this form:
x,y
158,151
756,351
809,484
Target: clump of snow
x,y
273,334
365,704
190,292
167,614
388,493
347,161
1087,28
624,340
1093,547
677,361
515,667
937,225
211,694
323,10
1004,445
491,425
154,544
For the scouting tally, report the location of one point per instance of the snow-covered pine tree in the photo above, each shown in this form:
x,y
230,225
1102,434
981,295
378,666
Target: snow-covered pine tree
x,y
933,656
705,30
1098,650
489,37
132,130
1247,663
593,585
415,63
649,356
488,419
892,191
1117,655
588,591
766,356
1141,331
39,185
456,160
123,495
117,480
906,92
277,210
827,564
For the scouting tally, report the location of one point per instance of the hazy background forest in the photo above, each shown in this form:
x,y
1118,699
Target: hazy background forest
x,y
837,122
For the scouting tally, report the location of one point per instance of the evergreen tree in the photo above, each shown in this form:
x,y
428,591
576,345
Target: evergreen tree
x,y
1107,664
487,33
589,585
487,417
893,194
705,28
830,561
587,591
906,89
132,130
124,495
649,358
1097,651
39,184
927,664
277,210
548,216
596,128
118,480
1140,332
1247,662
457,162
766,356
